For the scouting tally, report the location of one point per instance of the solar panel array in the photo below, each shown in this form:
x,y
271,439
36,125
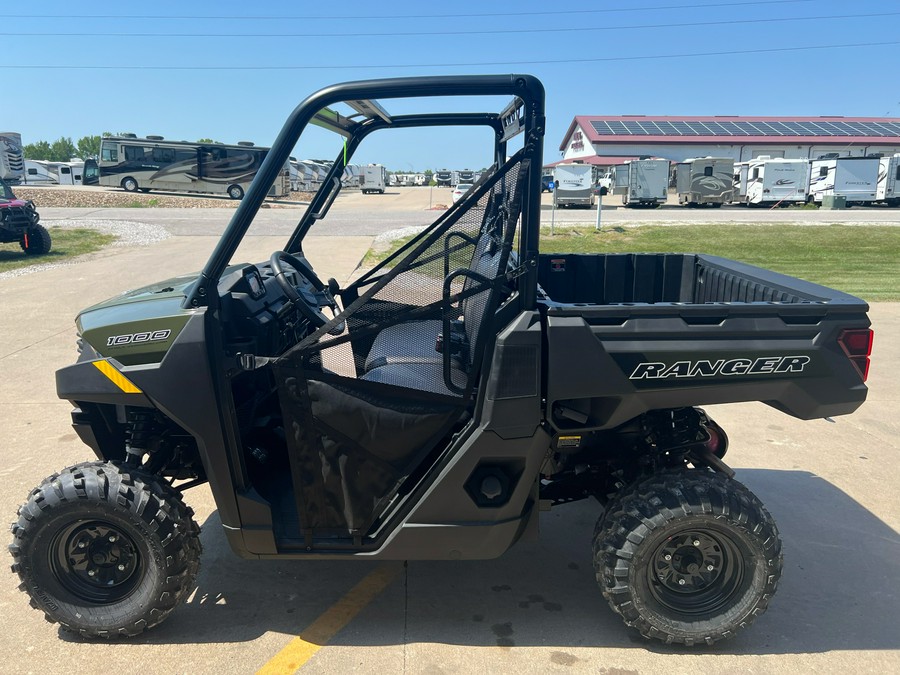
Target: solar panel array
x,y
745,128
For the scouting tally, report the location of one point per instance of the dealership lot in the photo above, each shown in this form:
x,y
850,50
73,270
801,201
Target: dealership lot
x,y
830,487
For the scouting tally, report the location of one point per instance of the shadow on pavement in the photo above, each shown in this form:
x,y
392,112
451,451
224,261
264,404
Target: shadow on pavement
x,y
839,589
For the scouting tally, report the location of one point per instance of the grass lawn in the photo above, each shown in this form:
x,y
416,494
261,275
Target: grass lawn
x,y
66,245
862,260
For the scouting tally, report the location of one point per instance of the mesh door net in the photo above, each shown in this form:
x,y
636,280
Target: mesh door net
x,y
374,392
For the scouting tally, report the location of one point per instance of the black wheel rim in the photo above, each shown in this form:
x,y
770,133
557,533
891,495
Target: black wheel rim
x,y
697,573
96,561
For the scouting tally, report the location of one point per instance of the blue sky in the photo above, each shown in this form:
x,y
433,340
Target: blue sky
x,y
235,94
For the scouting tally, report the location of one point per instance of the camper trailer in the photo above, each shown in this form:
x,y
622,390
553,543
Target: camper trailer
x,y
642,182
40,172
888,189
12,162
767,180
573,185
854,178
704,181
372,179
443,178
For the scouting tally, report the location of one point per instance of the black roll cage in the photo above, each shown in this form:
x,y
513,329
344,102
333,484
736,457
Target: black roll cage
x,y
524,113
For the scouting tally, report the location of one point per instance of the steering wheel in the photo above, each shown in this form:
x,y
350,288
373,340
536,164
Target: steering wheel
x,y
310,295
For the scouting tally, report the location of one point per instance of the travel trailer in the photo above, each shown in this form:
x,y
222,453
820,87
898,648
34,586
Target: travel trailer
x,y
372,179
40,172
767,180
573,185
854,178
642,182
888,189
704,181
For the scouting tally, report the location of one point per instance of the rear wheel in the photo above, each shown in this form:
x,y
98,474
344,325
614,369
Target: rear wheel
x,y
104,551
236,192
36,240
688,557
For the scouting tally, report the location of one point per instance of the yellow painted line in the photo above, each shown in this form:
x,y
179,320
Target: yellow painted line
x,y
116,377
302,648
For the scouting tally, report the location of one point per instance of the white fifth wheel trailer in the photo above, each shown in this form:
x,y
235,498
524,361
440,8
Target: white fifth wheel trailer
x,y
854,178
768,180
704,181
574,183
642,182
888,189
372,179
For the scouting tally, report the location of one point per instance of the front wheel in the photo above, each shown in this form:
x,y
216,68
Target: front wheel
x,y
36,240
689,557
104,551
129,184
236,192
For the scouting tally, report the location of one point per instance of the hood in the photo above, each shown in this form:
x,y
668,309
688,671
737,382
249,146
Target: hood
x,y
138,326
4,203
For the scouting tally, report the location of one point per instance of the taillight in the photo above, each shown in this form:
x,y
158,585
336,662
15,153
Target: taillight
x,y
857,345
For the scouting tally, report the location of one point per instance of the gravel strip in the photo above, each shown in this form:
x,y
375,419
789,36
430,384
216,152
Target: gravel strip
x,y
128,233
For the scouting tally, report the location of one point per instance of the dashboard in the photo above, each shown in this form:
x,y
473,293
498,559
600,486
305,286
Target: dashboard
x,y
257,316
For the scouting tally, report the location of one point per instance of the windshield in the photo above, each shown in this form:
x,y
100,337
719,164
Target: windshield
x,y
6,191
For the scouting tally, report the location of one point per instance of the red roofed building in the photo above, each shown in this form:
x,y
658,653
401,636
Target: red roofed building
x,y
610,140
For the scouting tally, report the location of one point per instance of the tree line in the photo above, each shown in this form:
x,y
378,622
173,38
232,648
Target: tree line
x,y
63,149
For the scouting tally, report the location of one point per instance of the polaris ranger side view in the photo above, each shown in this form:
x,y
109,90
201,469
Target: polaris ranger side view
x,y
434,406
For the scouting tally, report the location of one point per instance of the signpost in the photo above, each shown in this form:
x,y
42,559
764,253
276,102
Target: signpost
x,y
553,211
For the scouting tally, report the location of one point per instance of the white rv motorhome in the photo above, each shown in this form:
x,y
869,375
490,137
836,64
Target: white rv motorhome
x,y
854,178
642,182
704,181
888,189
372,179
12,161
574,183
443,178
767,180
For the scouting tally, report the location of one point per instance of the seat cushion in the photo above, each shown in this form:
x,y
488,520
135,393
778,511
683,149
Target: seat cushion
x,y
404,341
422,376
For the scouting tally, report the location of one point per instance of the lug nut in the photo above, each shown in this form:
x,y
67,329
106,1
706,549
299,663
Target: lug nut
x,y
696,542
710,568
112,538
121,568
91,573
667,557
81,544
681,582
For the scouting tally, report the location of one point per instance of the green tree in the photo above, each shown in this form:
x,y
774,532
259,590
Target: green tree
x,y
39,150
62,149
88,146
206,140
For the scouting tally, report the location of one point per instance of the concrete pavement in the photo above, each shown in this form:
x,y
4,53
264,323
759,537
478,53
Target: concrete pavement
x,y
830,487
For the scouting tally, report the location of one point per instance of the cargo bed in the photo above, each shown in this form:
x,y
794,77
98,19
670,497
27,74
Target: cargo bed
x,y
686,329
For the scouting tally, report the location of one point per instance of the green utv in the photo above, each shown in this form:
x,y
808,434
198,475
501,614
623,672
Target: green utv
x,y
437,404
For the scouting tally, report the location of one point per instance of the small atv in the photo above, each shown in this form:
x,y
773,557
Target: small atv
x,y
19,222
